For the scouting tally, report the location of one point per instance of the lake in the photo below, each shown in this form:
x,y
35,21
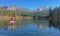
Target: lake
x,y
29,28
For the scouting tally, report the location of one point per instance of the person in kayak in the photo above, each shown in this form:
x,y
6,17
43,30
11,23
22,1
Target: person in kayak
x,y
12,21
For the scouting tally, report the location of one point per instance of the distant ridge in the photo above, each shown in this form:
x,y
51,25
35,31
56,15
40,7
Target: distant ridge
x,y
42,11
15,8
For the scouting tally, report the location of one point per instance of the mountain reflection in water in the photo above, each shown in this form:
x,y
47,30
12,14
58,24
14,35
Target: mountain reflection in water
x,y
30,28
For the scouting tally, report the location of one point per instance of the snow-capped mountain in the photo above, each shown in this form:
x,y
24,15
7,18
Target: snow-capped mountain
x,y
42,10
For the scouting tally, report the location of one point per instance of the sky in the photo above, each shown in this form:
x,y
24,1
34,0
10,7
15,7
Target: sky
x,y
30,4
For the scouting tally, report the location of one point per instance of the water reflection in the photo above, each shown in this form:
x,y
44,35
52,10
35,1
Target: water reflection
x,y
30,28
42,24
11,27
56,26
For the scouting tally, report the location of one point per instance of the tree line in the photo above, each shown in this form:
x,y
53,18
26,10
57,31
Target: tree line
x,y
5,12
54,14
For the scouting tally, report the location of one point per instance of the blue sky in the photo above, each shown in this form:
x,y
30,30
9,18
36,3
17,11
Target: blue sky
x,y
30,4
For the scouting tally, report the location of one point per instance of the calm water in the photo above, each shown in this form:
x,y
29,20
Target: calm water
x,y
29,28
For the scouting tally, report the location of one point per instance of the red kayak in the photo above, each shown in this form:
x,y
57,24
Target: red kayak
x,y
12,21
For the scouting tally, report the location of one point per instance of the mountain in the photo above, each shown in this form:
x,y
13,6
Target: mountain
x,y
41,9
21,10
44,11
16,8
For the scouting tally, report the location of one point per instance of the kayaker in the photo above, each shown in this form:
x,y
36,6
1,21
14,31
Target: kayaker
x,y
12,21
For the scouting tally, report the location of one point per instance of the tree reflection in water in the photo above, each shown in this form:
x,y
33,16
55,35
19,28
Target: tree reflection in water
x,y
5,25
11,27
57,26
40,24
